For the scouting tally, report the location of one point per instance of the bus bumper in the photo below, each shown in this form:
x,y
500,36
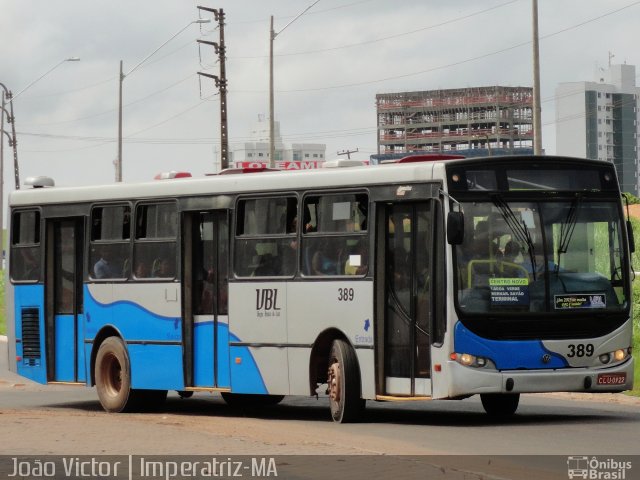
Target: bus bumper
x,y
470,380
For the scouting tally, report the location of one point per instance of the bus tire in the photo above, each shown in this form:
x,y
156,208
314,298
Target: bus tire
x,y
500,404
343,382
250,400
113,376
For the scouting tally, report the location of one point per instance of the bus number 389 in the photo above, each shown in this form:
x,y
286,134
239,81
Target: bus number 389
x,y
580,350
345,294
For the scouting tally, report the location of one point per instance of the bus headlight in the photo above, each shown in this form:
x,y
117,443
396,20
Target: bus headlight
x,y
469,360
617,356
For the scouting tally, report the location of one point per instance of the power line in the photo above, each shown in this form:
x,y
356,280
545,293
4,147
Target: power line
x,y
389,37
453,64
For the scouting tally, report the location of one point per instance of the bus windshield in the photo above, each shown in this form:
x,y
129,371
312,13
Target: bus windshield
x,y
554,257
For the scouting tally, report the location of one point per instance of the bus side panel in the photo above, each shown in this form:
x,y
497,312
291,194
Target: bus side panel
x,y
247,376
148,318
156,366
344,305
30,331
258,337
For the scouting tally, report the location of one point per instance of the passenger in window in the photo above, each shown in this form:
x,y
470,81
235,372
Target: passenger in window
x,y
141,270
105,267
266,266
164,268
511,251
325,260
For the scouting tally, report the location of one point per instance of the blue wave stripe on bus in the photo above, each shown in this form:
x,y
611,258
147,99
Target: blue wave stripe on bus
x,y
134,321
506,354
245,376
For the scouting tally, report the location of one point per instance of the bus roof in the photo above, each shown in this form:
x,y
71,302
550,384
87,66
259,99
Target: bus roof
x,y
328,178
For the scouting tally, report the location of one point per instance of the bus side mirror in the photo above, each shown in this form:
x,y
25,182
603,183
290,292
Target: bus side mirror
x,y
455,228
632,241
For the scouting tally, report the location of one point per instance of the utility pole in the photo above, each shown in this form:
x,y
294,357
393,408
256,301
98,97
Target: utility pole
x,y
347,153
221,84
272,146
12,120
119,160
272,36
537,110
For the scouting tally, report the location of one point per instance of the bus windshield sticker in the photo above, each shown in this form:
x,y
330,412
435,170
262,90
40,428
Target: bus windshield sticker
x,y
509,291
580,300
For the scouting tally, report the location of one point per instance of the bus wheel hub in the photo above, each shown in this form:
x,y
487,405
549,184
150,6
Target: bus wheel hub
x,y
334,382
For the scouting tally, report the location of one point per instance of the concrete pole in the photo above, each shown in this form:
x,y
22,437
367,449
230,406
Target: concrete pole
x,y
119,159
16,169
537,110
272,147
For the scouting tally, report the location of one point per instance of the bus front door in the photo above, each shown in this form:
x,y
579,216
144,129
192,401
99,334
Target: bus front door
x,y
407,251
206,261
64,305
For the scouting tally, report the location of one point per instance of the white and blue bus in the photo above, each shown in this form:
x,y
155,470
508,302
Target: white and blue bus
x,y
434,279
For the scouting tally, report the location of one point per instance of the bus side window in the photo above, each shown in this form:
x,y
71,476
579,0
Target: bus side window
x,y
334,239
266,237
110,256
25,246
154,250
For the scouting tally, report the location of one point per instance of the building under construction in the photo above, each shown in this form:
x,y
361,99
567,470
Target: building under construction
x,y
498,119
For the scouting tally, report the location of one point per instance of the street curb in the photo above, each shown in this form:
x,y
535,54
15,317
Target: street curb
x,y
3,339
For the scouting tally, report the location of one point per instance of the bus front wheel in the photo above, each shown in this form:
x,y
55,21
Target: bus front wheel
x,y
343,383
113,377
500,404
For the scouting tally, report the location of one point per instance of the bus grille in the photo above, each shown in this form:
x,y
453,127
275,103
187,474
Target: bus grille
x,y
30,335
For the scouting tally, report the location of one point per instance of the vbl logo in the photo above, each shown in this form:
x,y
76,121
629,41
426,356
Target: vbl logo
x,y
267,299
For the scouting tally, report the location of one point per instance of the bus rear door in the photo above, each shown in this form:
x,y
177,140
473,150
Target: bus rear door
x,y
205,290
64,301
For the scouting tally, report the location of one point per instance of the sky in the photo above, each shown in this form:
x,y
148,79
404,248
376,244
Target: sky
x,y
329,64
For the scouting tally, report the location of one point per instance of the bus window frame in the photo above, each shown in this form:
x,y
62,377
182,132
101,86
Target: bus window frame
x,y
176,240
362,234
292,236
15,248
90,242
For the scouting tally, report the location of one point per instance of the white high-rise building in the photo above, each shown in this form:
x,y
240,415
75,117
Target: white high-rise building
x,y
296,155
600,120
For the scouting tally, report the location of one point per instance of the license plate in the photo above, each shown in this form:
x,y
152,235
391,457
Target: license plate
x,y
612,378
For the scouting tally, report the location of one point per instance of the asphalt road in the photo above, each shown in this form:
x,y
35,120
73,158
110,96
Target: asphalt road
x,y
40,420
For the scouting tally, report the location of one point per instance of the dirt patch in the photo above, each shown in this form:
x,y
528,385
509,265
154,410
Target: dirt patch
x,y
634,211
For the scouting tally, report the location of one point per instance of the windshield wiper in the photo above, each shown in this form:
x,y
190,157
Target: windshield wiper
x,y
567,228
520,230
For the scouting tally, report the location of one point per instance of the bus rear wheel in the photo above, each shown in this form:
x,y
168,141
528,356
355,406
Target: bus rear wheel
x,y
113,376
500,404
343,383
113,381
